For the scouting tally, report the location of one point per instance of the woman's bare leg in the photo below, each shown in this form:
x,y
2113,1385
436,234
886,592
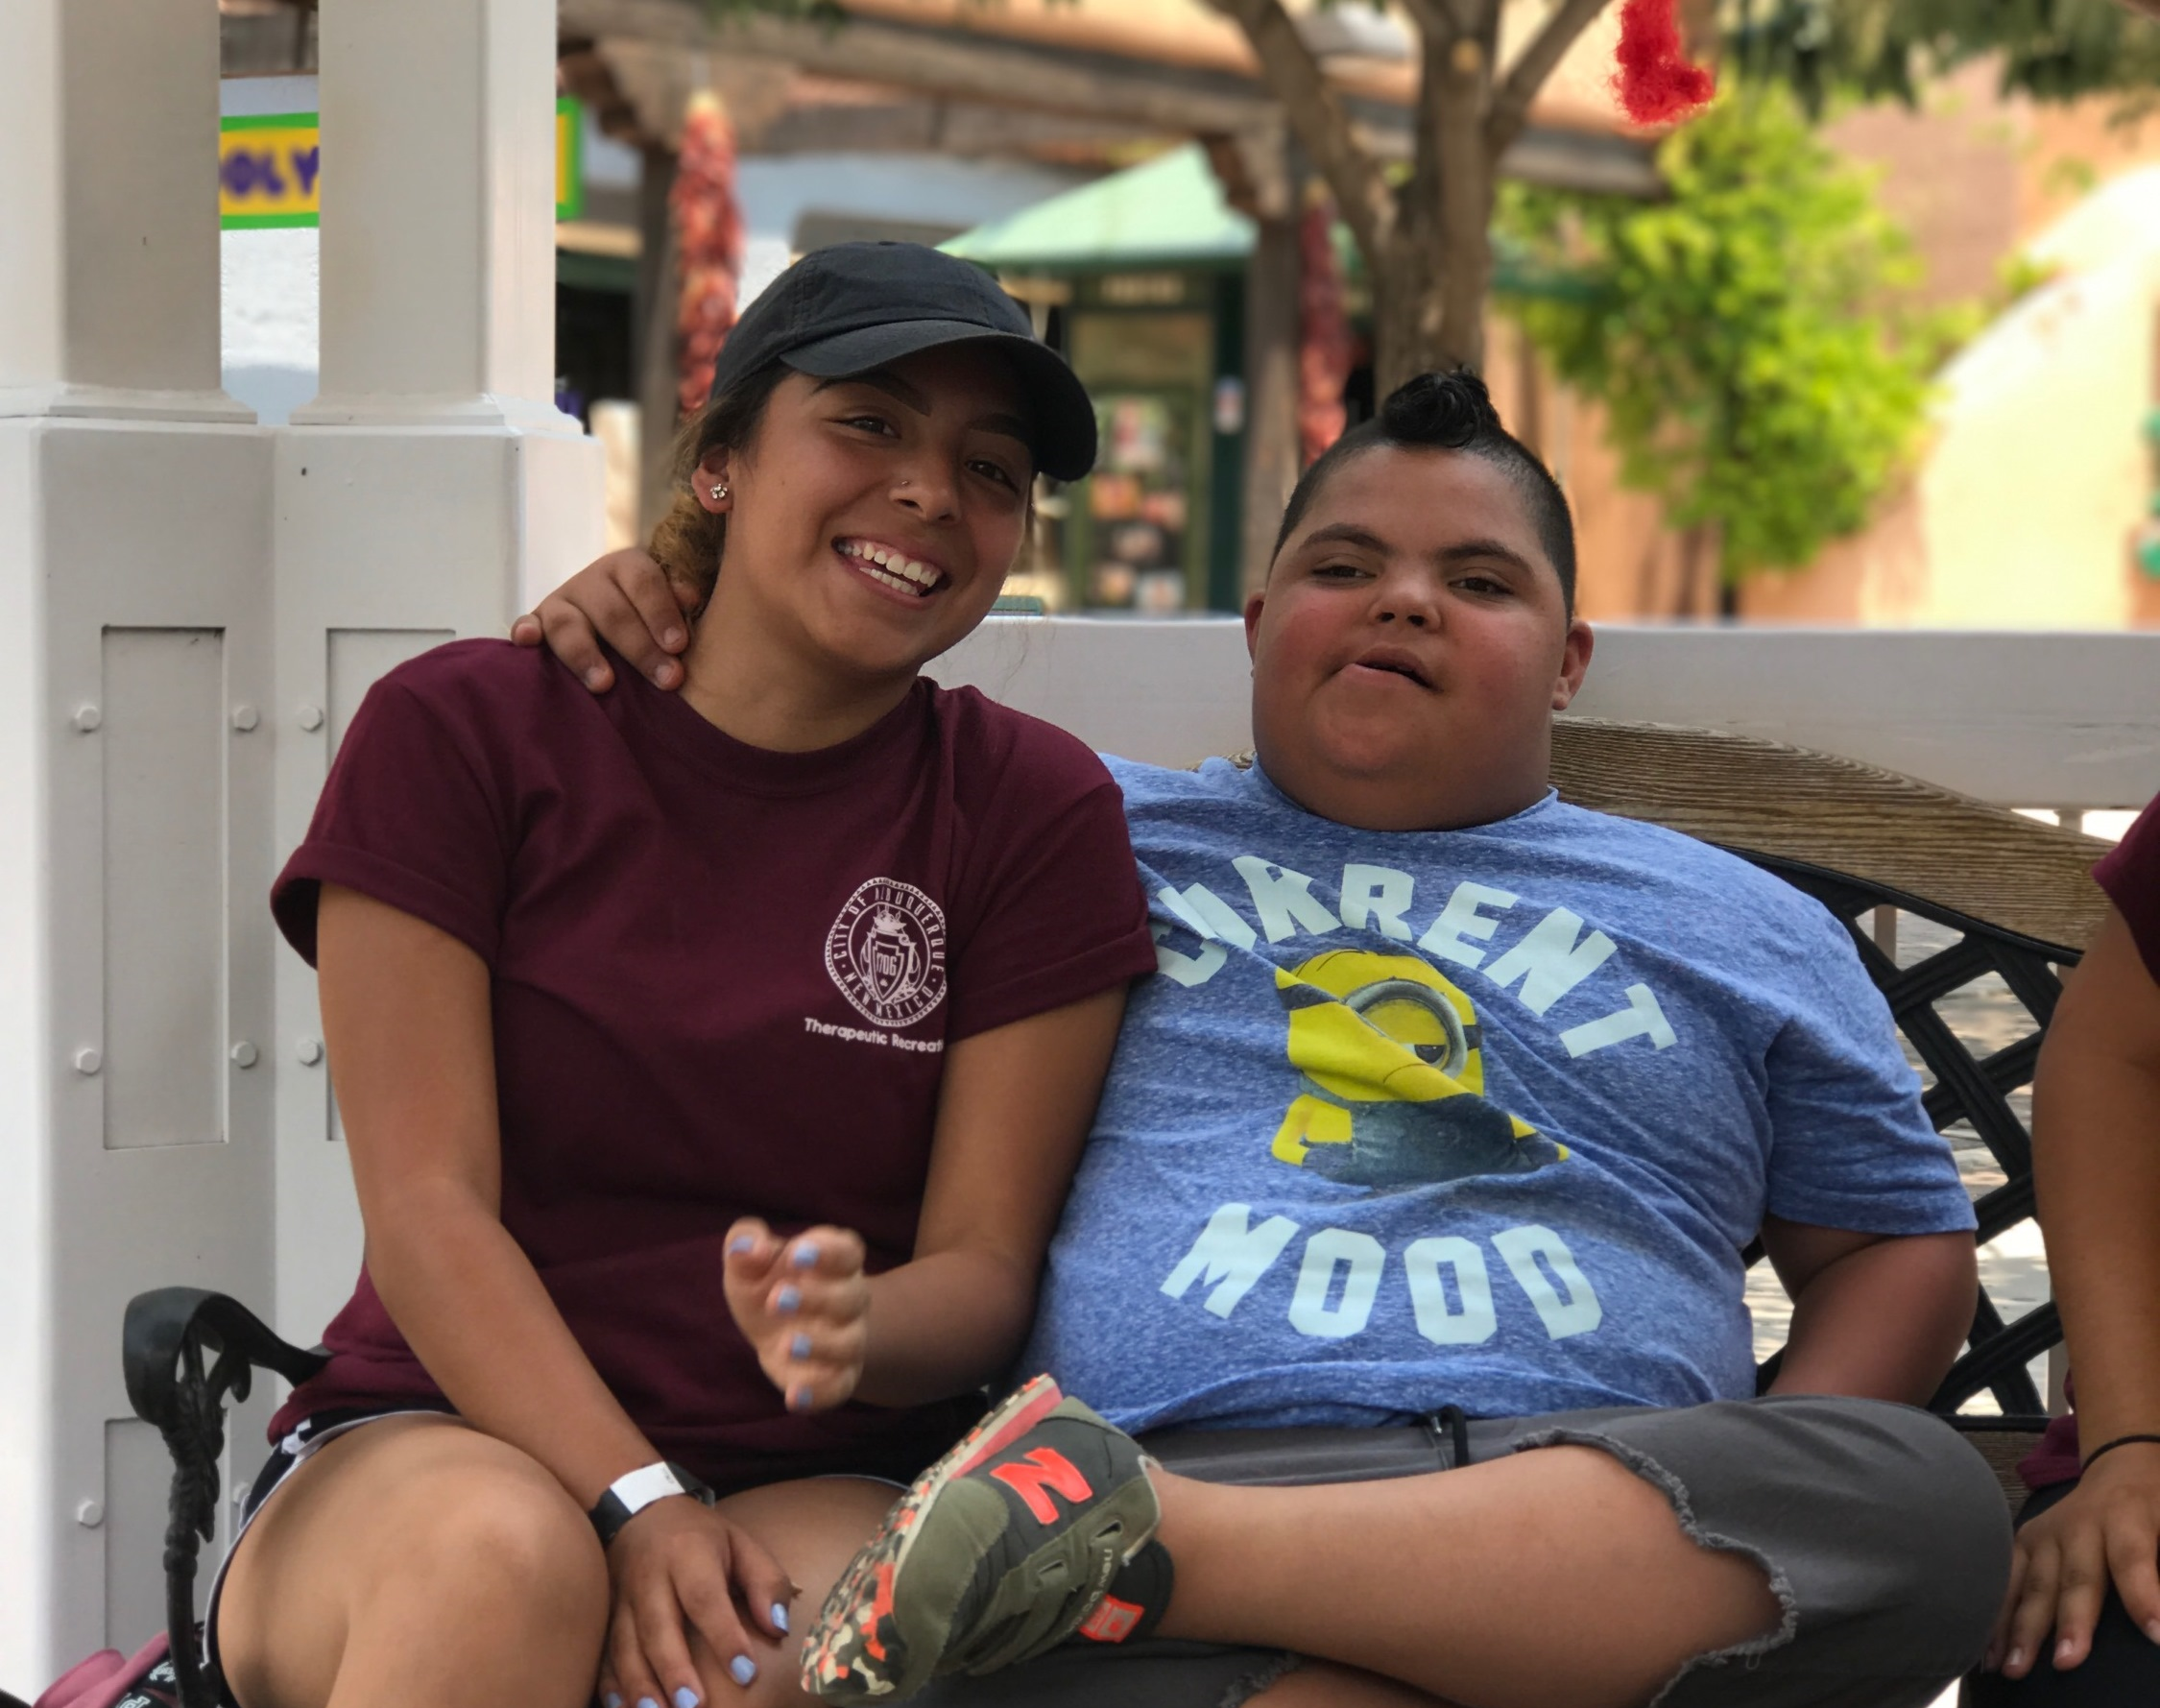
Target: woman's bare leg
x,y
415,1561
418,1561
1555,1577
814,1529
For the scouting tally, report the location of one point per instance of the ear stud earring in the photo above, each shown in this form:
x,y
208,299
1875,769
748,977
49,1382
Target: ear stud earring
x,y
719,491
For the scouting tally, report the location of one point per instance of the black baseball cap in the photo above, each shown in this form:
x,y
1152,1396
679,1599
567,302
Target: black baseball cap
x,y
855,307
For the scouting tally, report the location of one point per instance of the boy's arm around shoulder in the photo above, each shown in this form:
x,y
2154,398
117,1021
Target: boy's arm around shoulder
x,y
625,598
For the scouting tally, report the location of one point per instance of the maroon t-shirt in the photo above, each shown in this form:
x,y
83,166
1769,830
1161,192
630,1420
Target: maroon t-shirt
x,y
723,981
2130,875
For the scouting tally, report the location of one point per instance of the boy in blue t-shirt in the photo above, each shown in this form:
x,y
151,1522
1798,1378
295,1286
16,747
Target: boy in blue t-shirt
x,y
1455,1103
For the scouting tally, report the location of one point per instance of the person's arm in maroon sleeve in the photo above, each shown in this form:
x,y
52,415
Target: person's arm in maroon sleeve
x,y
2096,1130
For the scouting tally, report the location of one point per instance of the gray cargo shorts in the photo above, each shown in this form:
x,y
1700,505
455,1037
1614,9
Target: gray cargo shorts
x,y
1883,1536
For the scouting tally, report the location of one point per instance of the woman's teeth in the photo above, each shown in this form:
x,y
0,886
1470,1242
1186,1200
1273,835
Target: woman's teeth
x,y
894,568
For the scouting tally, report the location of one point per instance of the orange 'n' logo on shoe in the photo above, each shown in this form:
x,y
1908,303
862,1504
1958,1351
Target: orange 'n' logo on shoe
x,y
1111,1621
881,1604
1046,1469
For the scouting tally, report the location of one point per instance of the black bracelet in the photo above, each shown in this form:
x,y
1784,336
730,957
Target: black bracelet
x,y
2108,1447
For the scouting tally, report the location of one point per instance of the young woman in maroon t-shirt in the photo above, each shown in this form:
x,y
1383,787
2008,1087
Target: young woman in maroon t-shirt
x,y
713,1064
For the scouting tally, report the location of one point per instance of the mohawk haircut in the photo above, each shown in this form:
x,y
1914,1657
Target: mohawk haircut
x,y
1449,412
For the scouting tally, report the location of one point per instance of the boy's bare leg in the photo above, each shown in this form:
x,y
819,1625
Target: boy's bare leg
x,y
1322,1684
1555,1577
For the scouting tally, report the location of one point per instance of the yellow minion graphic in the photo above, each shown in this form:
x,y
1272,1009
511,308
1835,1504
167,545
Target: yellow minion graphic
x,y
1394,1083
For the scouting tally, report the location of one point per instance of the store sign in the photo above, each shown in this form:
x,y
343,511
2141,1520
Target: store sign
x,y
270,168
268,164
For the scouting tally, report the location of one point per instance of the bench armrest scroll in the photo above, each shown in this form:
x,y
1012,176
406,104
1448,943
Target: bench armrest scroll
x,y
184,1353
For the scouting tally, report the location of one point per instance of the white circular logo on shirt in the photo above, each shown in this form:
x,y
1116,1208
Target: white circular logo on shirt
x,y
886,953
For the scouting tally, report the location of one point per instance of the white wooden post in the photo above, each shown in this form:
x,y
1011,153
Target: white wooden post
x,y
135,792
432,488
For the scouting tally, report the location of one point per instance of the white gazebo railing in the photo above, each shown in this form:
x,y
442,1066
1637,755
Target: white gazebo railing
x,y
190,607
2060,720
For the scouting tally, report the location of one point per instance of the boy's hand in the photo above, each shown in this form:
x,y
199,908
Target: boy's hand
x,y
804,1305
627,598
2107,1527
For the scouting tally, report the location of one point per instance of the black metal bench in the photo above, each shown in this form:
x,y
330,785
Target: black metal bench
x,y
2016,894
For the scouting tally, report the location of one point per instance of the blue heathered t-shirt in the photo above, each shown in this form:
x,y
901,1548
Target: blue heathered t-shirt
x,y
1482,1116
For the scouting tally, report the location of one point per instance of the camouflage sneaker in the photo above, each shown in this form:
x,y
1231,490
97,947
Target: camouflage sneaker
x,y
1001,1549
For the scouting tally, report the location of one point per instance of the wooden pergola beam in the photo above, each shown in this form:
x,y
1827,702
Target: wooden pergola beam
x,y
1173,100
945,62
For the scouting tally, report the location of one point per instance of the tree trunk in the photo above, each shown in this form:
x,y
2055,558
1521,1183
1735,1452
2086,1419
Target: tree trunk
x,y
1430,282
1271,392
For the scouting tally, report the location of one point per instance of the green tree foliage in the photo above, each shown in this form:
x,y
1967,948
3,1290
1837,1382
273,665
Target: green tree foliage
x,y
2053,49
1745,335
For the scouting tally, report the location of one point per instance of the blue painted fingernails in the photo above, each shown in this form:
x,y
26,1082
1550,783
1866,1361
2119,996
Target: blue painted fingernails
x,y
647,1702
806,1255
742,1244
685,1696
613,1699
780,1617
799,1347
789,1298
801,1400
742,1669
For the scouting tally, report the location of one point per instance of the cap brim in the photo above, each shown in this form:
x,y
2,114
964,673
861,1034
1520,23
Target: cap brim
x,y
1063,417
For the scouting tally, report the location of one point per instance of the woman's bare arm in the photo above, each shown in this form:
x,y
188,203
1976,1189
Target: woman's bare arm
x,y
1013,1115
406,1013
405,1008
2096,1155
1014,1109
2096,1161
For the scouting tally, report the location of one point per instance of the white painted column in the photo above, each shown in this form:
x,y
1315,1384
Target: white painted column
x,y
432,490
134,793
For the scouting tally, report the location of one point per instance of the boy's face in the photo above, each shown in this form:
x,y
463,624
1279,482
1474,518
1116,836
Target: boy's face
x,y
1412,646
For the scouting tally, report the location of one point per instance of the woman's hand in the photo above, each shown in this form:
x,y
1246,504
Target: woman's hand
x,y
680,1576
804,1305
2107,1526
626,599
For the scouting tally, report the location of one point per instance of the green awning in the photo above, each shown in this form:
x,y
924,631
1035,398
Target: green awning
x,y
1168,212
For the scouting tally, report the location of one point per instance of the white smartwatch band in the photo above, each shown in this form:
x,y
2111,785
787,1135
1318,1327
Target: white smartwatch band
x,y
631,1493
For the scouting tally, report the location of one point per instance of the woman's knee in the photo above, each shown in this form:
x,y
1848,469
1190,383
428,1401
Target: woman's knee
x,y
407,1549
493,1527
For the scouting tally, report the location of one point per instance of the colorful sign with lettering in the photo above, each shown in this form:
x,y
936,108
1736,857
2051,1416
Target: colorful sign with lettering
x,y
569,159
270,167
267,166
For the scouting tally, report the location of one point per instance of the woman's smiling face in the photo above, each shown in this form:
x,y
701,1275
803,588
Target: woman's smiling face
x,y
872,520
